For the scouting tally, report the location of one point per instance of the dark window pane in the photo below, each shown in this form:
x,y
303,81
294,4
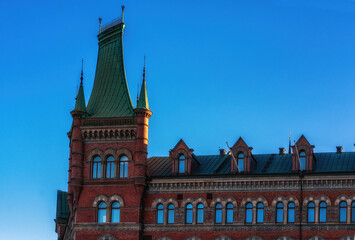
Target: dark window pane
x,y
322,212
171,213
200,213
189,213
249,213
280,213
342,212
311,212
181,166
229,218
218,213
291,212
160,214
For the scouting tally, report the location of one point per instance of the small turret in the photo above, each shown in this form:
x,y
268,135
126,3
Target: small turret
x,y
143,97
80,105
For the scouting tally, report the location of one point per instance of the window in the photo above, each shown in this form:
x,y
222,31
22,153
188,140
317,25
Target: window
x,y
218,213
188,214
115,212
110,167
260,213
291,212
353,211
279,212
160,214
101,215
229,218
249,213
171,211
123,166
303,160
342,212
311,212
322,212
199,213
182,164
240,161
96,168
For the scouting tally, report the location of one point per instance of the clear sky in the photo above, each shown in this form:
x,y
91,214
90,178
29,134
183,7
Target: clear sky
x,y
216,70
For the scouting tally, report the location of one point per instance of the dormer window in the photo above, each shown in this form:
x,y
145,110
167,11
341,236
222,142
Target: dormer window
x,y
240,161
182,164
303,160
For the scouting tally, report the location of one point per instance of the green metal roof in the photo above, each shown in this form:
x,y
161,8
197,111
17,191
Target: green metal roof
x,y
110,95
80,100
63,211
143,97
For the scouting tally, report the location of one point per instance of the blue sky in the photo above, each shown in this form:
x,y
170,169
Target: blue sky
x,y
216,70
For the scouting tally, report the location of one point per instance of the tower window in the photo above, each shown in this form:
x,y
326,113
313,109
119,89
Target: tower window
x,y
279,212
124,167
200,211
110,167
101,215
160,214
322,212
182,163
218,213
260,213
188,214
171,213
96,168
353,211
115,212
342,211
249,213
303,160
311,207
291,212
229,211
240,161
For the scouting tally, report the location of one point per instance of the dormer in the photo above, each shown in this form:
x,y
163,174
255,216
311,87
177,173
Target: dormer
x,y
181,157
242,155
305,152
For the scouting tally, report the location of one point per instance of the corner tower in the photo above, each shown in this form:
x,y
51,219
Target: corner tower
x,y
108,150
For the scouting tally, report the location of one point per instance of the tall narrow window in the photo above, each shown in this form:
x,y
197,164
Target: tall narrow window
x,y
260,213
303,160
311,212
115,212
353,211
182,164
249,213
342,211
322,212
110,167
279,212
171,213
200,213
241,162
124,167
101,213
291,212
188,214
160,214
218,213
96,168
229,211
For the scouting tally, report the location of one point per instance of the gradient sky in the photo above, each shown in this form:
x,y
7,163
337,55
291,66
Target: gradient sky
x,y
216,70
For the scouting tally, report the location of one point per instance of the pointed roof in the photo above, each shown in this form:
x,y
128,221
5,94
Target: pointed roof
x,y
143,97
110,95
80,98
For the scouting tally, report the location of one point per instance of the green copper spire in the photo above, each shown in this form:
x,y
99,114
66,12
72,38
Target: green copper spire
x,y
80,99
143,97
110,95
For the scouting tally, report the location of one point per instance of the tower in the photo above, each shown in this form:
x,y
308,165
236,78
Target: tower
x,y
108,149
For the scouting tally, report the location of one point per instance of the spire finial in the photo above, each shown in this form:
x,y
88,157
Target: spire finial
x,y
289,143
137,94
144,69
100,19
82,71
123,7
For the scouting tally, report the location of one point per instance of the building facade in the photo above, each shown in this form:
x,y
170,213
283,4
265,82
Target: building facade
x,y
116,192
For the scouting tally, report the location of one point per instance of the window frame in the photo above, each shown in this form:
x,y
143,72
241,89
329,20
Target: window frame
x,y
241,160
96,172
303,158
112,165
341,209
313,208
257,212
218,208
228,210
159,213
103,209
352,212
248,210
171,211
182,159
200,211
118,210
123,164
189,211
278,208
322,210
291,208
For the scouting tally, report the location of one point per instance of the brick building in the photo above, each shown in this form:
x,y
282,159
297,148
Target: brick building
x,y
116,192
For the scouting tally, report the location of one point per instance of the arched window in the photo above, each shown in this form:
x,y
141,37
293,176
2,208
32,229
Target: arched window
x,y
240,161
218,213
115,212
229,217
342,211
160,214
249,213
171,212
311,212
101,213
182,164
353,211
110,167
279,212
291,212
200,213
96,168
303,160
124,167
322,212
188,214
260,213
